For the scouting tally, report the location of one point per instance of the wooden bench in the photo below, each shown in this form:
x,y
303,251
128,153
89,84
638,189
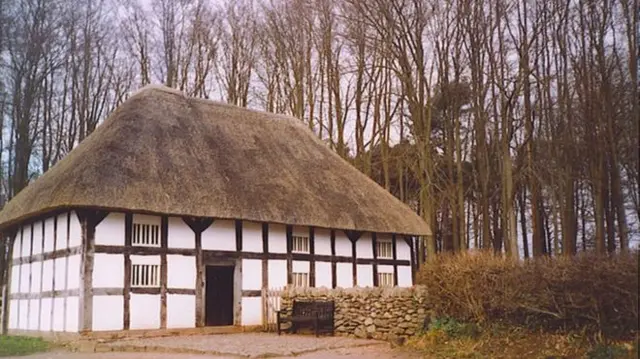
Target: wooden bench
x,y
315,314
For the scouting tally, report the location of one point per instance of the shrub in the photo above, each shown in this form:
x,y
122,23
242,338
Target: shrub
x,y
597,295
453,328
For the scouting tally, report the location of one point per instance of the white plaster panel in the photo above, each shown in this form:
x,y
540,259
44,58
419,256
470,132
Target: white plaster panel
x,y
300,266
73,274
75,231
323,274
221,235
145,311
145,260
36,277
365,275
108,270
277,238
47,275
60,277
72,314
251,274
181,271
25,273
15,279
24,314
13,314
322,241
383,268
404,276
34,314
344,275
180,235
300,231
107,312
146,219
45,314
343,244
251,311
26,241
110,231
251,237
48,235
17,246
37,237
181,311
364,247
403,250
58,314
277,273
62,231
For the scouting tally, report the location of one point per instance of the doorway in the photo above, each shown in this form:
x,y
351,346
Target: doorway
x,y
219,296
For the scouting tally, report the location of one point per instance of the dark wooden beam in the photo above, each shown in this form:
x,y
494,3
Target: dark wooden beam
x,y
128,233
53,266
395,258
289,257
239,235
41,274
31,273
88,222
312,259
10,237
164,239
374,241
61,253
252,293
66,272
199,225
334,275
353,237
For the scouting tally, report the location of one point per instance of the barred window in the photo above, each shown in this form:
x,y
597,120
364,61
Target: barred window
x,y
145,275
300,279
300,244
385,280
384,250
147,235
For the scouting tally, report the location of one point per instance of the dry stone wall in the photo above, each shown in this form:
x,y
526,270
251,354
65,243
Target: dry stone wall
x,y
378,313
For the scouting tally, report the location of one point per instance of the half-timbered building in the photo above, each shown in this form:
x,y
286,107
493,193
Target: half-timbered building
x,y
177,212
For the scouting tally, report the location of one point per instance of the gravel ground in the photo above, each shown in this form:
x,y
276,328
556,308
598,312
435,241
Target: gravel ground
x,y
245,344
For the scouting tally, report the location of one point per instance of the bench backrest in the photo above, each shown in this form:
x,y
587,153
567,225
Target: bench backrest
x,y
310,308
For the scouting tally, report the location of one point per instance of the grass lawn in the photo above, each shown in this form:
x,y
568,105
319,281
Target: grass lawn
x,y
18,345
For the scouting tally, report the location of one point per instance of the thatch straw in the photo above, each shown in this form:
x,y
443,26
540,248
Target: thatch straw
x,y
162,152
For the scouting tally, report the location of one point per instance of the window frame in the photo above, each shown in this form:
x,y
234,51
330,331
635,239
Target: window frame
x,y
305,279
388,280
305,240
145,278
379,243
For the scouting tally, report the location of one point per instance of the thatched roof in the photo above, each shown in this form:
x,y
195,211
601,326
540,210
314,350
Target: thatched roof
x,y
162,152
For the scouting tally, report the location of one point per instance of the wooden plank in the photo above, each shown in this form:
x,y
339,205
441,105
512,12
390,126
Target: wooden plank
x,y
41,274
61,253
10,240
238,235
312,260
395,258
89,219
374,241
251,293
334,274
164,239
289,257
128,233
47,294
353,237
265,269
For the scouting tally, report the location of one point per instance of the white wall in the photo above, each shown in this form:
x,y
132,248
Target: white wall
x,y
62,231
181,271
181,311
37,238
35,277
364,247
73,310
13,313
251,274
108,312
58,314
17,246
344,275
323,274
23,315
251,237
251,311
404,276
145,311
73,274
365,275
221,236
108,270
343,244
49,245
75,231
110,231
34,314
277,273
26,241
45,314
300,266
60,274
277,238
322,241
403,251
180,235
25,272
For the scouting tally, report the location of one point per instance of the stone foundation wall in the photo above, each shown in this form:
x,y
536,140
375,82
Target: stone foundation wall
x,y
378,313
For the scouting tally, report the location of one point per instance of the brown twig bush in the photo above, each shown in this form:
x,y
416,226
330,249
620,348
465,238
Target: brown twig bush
x,y
587,293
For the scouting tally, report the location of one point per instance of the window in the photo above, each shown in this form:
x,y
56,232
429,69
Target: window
x,y
300,244
300,279
145,275
385,249
385,280
147,235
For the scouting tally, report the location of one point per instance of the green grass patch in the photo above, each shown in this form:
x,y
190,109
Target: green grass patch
x,y
19,345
